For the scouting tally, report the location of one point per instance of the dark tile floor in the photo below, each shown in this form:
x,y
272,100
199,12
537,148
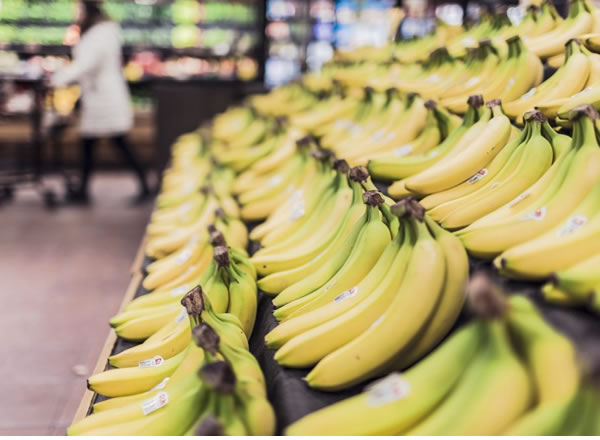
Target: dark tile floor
x,y
62,275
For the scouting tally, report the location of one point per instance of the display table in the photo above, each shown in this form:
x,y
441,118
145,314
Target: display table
x,y
287,391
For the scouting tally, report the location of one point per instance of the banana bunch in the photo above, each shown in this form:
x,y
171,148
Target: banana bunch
x,y
325,218
346,333
505,372
577,285
213,386
418,49
193,191
506,79
560,108
231,123
416,131
477,147
571,78
582,19
541,223
538,20
520,164
291,98
389,167
273,180
242,127
230,284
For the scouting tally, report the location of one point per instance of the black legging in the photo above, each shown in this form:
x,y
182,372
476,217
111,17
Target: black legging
x,y
120,142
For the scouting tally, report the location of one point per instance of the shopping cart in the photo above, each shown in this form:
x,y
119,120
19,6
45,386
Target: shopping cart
x,y
22,136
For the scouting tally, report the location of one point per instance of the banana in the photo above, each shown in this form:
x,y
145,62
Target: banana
x,y
579,22
567,81
392,168
461,166
257,414
243,298
580,278
451,300
321,312
589,95
329,110
572,241
413,121
138,325
398,401
528,168
544,188
194,356
283,259
360,358
440,204
166,413
497,376
278,281
174,240
552,360
134,380
581,175
168,346
191,254
355,257
303,203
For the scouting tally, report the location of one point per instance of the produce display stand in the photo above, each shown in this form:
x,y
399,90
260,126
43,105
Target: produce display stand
x,y
287,391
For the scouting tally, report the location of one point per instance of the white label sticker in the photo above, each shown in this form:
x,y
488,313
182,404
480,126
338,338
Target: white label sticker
x,y
478,176
572,224
275,180
472,81
434,78
510,82
469,41
528,94
161,385
155,403
390,137
403,150
356,130
518,199
538,214
183,257
181,316
343,123
178,291
156,361
297,196
297,211
378,135
185,207
433,153
346,294
389,389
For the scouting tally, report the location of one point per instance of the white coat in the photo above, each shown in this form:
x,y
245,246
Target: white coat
x,y
97,67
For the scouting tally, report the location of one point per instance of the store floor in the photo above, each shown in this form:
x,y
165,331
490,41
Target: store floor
x,y
62,275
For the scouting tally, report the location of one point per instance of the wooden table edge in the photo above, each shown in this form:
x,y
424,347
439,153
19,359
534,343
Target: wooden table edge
x,y
111,339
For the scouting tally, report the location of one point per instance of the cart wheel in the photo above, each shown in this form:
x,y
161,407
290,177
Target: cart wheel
x,y
50,200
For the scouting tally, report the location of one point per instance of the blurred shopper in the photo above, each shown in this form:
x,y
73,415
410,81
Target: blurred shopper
x,y
105,102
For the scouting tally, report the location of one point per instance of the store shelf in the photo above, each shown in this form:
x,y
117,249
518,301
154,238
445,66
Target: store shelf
x,y
54,49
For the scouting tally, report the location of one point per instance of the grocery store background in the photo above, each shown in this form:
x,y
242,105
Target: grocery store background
x,y
63,267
